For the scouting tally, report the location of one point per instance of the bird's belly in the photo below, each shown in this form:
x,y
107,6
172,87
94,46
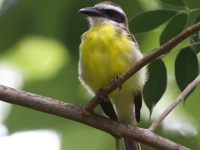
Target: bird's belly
x,y
99,68
103,55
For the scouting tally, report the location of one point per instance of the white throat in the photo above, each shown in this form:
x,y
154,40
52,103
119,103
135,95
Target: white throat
x,y
94,21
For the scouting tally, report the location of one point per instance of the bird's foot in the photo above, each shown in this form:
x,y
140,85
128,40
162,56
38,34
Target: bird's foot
x,y
114,81
99,94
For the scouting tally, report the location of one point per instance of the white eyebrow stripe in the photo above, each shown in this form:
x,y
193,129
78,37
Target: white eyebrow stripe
x,y
107,6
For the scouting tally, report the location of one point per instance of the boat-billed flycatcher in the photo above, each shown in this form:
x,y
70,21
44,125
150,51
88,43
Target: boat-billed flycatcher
x,y
107,50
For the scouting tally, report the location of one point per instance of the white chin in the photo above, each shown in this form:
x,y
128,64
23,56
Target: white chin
x,y
98,21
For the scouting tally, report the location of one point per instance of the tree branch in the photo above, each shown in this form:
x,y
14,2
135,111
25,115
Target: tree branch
x,y
79,114
144,61
186,91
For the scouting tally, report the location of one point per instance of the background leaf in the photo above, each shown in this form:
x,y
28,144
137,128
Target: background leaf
x,y
156,84
196,48
180,3
186,67
150,20
174,27
195,38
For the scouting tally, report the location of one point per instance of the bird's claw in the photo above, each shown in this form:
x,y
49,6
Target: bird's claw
x,y
114,81
99,95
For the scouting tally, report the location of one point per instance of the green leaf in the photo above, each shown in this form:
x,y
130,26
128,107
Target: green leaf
x,y
156,84
196,48
150,20
174,27
180,3
186,67
195,38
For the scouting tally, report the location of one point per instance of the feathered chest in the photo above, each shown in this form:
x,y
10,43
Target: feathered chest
x,y
104,53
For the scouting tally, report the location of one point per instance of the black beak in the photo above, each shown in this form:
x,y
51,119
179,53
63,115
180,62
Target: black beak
x,y
91,11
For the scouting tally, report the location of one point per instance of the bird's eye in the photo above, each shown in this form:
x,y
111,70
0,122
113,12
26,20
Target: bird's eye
x,y
114,15
110,12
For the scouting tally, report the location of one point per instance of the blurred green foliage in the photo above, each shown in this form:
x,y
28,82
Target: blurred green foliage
x,y
41,38
154,93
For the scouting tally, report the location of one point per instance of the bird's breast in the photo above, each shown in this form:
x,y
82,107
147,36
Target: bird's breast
x,y
104,53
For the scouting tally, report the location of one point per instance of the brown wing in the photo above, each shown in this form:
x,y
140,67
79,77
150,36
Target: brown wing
x,y
138,96
131,36
133,39
138,105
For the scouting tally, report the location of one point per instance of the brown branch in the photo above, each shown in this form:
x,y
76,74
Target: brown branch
x,y
186,91
144,61
79,114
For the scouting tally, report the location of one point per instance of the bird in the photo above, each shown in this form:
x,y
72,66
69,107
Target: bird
x,y
107,50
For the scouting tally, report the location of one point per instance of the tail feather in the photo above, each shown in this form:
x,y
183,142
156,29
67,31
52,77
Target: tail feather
x,y
131,145
108,109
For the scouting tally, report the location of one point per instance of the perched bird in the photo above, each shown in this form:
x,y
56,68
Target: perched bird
x,y
107,50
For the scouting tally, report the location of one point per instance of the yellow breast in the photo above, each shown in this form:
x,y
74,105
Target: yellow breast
x,y
104,53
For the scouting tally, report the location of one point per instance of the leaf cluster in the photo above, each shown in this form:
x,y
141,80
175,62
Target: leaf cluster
x,y
176,19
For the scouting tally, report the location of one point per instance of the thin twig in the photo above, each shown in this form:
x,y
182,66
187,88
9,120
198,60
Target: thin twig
x,y
118,145
144,61
186,91
78,113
